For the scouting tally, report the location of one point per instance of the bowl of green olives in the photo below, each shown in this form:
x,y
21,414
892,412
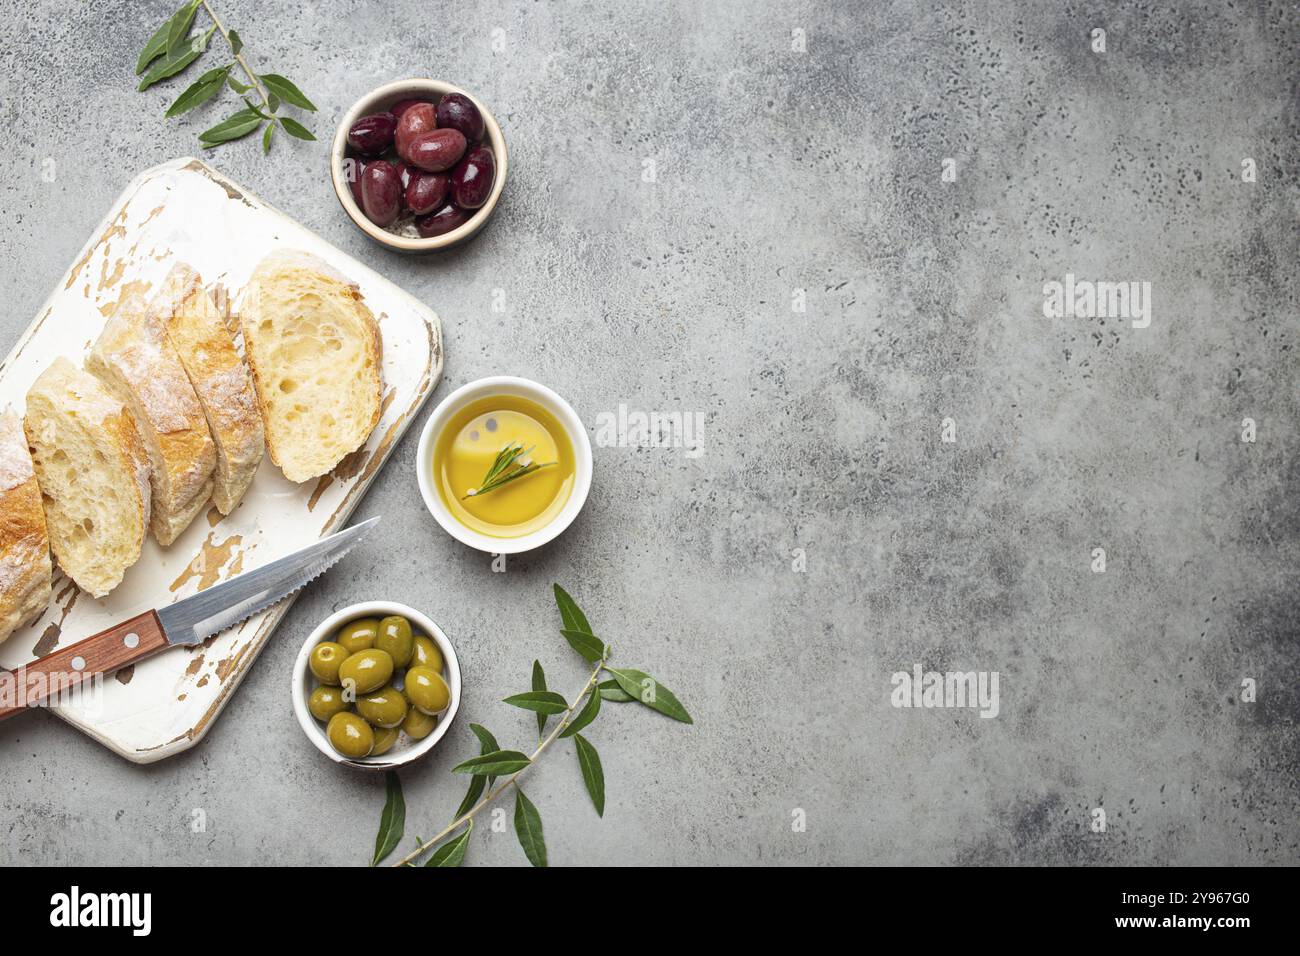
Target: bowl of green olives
x,y
376,685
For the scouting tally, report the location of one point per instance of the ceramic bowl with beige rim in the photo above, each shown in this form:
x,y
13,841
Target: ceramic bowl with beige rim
x,y
402,235
304,682
475,424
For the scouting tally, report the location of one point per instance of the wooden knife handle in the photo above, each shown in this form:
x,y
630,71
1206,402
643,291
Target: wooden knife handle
x,y
68,667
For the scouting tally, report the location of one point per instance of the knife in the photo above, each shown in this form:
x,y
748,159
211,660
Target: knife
x,y
187,622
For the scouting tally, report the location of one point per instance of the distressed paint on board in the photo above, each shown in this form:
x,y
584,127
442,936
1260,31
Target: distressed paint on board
x,y
186,211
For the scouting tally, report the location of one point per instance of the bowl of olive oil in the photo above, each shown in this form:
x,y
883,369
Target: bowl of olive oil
x,y
504,464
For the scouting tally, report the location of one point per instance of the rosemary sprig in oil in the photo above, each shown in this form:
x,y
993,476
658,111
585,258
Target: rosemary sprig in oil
x,y
511,464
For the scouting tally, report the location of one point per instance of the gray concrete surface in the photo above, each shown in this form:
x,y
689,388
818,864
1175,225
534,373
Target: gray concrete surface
x,y
778,170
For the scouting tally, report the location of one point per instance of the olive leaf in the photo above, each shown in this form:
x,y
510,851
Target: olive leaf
x,y
592,774
254,108
238,87
610,691
227,134
200,91
528,827
282,88
487,744
587,715
588,645
539,683
234,127
154,47
160,41
476,785
641,686
570,613
497,762
541,701
236,43
452,853
392,822
179,26
266,137
176,59
295,129
485,738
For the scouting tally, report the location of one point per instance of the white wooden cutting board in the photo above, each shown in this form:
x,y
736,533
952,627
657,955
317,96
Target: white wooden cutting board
x,y
185,211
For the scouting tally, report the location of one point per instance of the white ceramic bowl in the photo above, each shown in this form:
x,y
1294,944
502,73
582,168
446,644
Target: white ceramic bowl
x,y
381,99
405,750
524,388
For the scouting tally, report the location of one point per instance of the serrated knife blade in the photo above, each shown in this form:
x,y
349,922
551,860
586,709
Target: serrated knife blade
x,y
186,622
194,619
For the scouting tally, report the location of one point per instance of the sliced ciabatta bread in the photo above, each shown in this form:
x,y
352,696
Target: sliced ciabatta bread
x,y
93,474
25,569
133,358
314,349
197,329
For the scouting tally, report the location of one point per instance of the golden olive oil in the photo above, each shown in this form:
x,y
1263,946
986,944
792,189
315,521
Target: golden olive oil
x,y
470,442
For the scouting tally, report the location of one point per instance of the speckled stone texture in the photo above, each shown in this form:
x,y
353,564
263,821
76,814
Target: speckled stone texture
x,y
683,180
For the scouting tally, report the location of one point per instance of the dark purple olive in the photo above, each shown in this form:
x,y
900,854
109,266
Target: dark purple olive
x,y
404,170
373,134
436,150
471,180
416,119
381,192
401,106
457,111
353,167
426,192
444,220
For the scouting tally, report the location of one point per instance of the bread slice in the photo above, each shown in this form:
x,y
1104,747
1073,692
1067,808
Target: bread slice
x,y
93,474
314,350
25,570
197,330
133,358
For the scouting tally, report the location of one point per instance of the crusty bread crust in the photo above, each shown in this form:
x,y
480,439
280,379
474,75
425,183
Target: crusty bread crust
x,y
85,448
133,358
25,570
298,291
221,381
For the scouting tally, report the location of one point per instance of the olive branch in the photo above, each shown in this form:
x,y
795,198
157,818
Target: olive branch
x,y
493,763
173,47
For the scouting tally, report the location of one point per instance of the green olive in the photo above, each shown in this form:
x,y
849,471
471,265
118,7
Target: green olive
x,y
426,690
326,659
395,637
426,654
325,702
367,670
385,737
350,735
418,725
384,708
359,635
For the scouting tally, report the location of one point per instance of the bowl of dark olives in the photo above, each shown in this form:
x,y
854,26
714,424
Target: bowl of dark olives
x,y
419,165
376,685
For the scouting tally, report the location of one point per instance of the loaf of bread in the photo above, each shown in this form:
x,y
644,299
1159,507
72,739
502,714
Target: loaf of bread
x,y
25,569
133,358
93,474
197,330
314,349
